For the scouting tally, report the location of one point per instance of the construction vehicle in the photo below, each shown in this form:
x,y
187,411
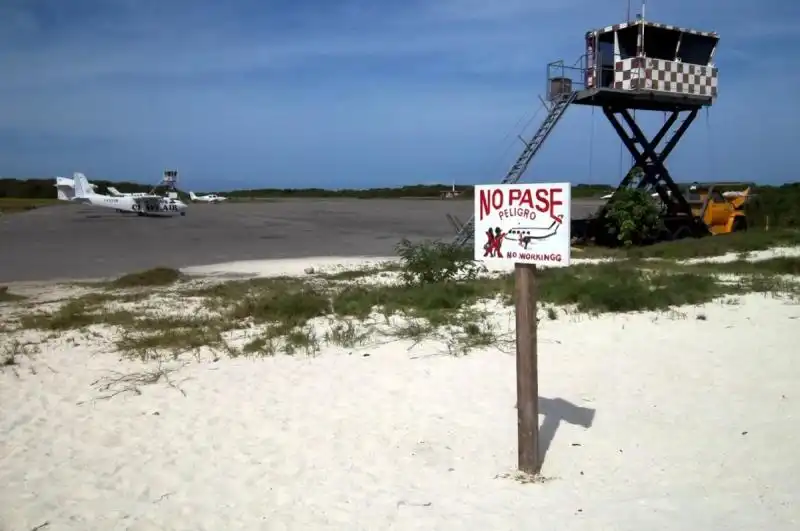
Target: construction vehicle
x,y
687,211
721,208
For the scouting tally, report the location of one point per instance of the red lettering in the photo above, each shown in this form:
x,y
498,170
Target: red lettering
x,y
527,199
490,199
544,200
485,204
555,203
497,198
542,197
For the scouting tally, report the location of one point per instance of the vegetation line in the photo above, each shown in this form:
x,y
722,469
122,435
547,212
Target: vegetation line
x,y
435,292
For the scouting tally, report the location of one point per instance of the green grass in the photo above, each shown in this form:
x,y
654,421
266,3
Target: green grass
x,y
738,242
780,265
278,311
12,205
624,287
158,276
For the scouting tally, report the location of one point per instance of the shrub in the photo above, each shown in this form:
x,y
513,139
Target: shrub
x,y
633,217
158,276
434,262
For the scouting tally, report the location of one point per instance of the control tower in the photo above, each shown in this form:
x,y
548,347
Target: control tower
x,y
634,66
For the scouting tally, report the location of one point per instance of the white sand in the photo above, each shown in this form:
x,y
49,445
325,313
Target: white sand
x,y
754,256
694,420
288,267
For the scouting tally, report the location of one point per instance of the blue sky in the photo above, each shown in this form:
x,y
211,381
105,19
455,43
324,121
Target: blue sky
x,y
359,93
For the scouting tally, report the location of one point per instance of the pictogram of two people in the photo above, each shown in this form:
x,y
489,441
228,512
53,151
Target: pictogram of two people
x,y
494,243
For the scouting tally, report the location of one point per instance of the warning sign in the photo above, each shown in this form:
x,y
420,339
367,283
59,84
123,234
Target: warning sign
x,y
523,223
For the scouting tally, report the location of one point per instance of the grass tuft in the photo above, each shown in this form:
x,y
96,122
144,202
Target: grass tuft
x,y
736,242
780,265
159,276
290,305
7,296
624,287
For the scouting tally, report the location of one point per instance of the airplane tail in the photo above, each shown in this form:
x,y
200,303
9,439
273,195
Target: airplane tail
x,y
65,193
113,191
82,188
192,196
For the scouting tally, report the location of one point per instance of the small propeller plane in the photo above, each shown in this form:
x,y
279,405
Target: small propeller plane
x,y
116,193
210,198
524,236
65,188
148,205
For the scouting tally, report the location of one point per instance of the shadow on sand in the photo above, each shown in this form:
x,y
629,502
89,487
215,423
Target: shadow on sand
x,y
554,411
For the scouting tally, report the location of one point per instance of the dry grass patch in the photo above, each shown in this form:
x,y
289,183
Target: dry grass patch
x,y
7,296
13,205
156,277
457,305
737,242
13,351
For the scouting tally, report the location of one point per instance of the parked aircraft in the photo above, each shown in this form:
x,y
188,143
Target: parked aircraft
x,y
116,193
210,198
608,196
65,188
150,205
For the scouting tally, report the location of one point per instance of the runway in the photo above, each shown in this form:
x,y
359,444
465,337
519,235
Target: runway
x,y
80,242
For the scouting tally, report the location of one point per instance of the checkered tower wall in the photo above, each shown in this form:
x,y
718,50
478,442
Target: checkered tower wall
x,y
644,73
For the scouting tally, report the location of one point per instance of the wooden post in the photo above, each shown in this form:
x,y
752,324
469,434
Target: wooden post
x,y
525,298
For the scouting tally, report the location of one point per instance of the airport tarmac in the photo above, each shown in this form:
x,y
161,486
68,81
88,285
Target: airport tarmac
x,y
80,242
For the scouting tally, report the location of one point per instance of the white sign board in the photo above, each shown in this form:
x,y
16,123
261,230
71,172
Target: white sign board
x,y
523,223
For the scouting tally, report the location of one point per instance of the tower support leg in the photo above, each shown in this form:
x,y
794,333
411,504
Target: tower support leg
x,y
646,156
678,214
678,217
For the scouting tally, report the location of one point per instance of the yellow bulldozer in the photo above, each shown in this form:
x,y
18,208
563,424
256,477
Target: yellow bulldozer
x,y
721,206
687,211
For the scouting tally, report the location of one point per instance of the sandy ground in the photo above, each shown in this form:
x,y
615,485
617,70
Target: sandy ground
x,y
674,421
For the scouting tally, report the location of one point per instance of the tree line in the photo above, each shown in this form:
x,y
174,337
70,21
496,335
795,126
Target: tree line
x,y
43,189
780,205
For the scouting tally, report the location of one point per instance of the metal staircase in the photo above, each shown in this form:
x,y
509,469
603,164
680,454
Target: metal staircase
x,y
556,110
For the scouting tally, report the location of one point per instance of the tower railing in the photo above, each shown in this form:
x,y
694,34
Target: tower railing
x,y
562,77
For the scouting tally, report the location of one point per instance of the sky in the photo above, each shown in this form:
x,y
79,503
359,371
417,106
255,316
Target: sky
x,y
363,93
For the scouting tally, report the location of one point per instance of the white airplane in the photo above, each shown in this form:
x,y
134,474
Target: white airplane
x,y
65,188
210,198
116,193
151,205
654,195
524,236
